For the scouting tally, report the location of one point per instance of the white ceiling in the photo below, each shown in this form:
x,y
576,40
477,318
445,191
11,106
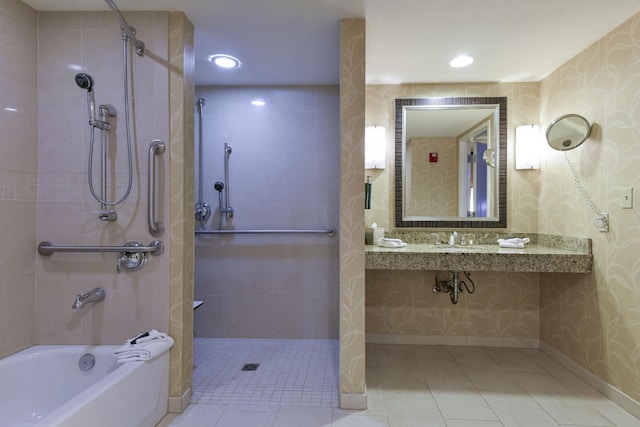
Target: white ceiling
x,y
408,41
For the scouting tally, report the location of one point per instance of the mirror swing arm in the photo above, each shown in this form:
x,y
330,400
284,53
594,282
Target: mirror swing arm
x,y
499,219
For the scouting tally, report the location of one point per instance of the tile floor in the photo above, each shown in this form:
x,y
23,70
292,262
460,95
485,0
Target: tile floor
x,y
407,385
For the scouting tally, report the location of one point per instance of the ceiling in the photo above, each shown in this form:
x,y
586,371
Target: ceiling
x,y
284,42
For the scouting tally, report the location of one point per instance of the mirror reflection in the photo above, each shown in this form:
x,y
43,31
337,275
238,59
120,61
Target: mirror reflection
x,y
452,156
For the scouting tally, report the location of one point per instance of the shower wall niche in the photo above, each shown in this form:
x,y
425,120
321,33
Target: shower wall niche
x,y
284,174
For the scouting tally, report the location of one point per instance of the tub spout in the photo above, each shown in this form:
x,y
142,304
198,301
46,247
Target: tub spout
x,y
95,295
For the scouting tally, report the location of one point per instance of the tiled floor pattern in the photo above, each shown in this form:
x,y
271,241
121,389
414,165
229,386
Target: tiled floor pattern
x,y
291,372
445,386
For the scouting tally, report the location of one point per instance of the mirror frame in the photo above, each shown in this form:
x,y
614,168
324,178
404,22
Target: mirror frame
x,y
454,222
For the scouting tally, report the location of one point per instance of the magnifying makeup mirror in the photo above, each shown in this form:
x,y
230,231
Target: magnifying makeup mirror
x,y
568,131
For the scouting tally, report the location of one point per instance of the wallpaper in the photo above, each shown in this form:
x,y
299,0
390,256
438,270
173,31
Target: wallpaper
x,y
433,186
595,320
351,232
502,305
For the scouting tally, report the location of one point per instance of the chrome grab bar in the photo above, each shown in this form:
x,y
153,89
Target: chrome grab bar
x,y
156,228
155,248
330,231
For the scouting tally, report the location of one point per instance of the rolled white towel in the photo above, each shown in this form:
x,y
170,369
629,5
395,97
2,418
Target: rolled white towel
x,y
391,243
512,245
145,346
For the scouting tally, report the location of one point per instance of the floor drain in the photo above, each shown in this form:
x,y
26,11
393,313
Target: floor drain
x,y
250,367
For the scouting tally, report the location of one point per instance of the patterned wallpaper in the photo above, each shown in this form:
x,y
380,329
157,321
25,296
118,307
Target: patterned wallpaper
x,y
351,232
434,186
595,320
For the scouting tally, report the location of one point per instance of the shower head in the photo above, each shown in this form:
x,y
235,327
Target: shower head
x,y
218,186
85,81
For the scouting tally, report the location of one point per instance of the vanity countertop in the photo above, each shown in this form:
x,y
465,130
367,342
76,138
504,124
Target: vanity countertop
x,y
533,258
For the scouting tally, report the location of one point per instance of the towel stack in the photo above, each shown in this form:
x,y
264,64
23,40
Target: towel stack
x,y
513,243
391,243
145,346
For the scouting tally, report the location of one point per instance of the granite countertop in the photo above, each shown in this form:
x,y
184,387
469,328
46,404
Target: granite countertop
x,y
482,257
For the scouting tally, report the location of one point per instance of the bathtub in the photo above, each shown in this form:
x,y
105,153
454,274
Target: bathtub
x,y
43,386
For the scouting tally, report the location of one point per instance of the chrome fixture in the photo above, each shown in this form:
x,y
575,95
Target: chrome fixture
x,y
228,210
452,238
133,255
86,362
47,248
132,261
453,286
465,240
219,186
127,30
438,239
329,231
95,295
85,81
156,228
202,209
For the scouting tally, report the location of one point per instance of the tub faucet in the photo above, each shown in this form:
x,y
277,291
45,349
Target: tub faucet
x,y
95,295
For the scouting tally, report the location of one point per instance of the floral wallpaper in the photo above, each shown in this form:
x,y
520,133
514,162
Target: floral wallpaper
x,y
351,232
595,319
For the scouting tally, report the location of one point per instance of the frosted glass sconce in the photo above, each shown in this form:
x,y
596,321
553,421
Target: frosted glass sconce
x,y
527,155
375,149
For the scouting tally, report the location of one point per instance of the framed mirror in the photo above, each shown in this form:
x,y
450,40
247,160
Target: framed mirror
x,y
450,162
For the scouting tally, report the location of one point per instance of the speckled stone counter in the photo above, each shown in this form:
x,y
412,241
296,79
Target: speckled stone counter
x,y
533,258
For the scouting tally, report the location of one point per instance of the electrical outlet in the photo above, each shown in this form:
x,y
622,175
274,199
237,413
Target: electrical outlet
x,y
627,198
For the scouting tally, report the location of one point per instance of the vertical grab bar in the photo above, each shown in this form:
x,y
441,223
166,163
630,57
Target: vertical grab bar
x,y
156,228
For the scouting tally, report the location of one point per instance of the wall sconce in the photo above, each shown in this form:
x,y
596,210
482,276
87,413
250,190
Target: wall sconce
x,y
527,142
375,147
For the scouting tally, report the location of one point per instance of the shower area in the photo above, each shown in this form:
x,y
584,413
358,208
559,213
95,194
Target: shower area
x,y
266,256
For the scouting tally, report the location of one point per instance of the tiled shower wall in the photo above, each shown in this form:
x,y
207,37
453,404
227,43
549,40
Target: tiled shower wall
x,y
18,174
284,174
91,42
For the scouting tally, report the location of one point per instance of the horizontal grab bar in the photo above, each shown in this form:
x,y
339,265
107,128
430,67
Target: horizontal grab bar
x,y
155,248
330,231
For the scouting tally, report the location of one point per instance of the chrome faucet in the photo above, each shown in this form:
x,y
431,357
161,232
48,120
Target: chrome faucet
x,y
95,295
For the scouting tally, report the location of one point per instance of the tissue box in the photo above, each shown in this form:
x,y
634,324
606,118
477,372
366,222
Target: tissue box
x,y
368,236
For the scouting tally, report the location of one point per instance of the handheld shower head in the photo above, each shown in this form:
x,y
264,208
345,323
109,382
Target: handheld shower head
x,y
218,186
85,81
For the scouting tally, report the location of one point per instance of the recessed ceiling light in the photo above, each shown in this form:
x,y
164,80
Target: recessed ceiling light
x,y
461,61
225,61
12,109
259,102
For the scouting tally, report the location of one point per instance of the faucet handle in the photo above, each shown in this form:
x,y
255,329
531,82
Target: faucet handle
x,y
438,238
122,259
464,241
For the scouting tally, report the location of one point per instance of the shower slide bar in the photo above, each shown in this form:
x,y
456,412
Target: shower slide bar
x,y
330,231
156,228
155,248
131,32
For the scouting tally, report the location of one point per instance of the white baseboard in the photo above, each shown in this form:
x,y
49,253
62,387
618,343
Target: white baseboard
x,y
593,380
177,404
452,340
353,401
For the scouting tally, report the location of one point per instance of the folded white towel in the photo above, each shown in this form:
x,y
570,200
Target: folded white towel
x,y
145,346
391,243
515,240
513,245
